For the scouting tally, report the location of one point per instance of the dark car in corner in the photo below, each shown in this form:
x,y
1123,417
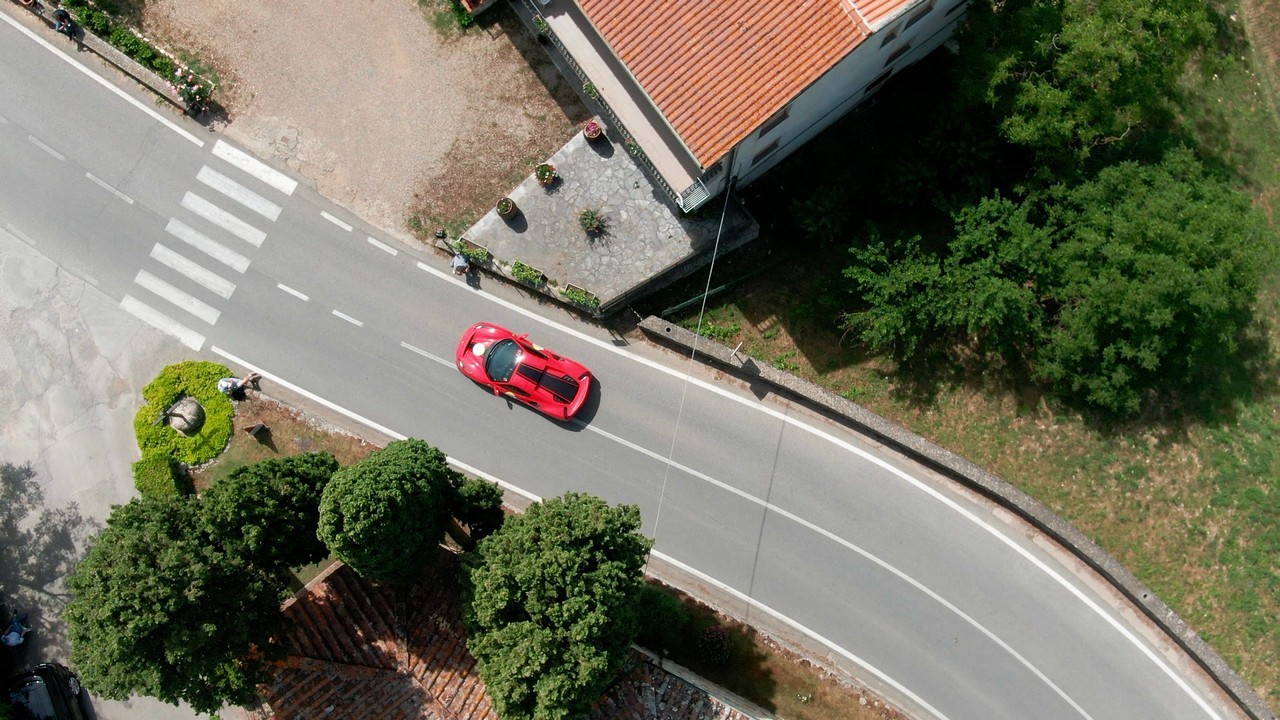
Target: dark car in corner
x,y
45,692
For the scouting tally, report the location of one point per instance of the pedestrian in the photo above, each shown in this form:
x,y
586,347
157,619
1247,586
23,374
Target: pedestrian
x,y
18,630
460,264
235,387
63,24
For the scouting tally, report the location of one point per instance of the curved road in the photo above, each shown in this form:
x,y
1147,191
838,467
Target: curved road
x,y
949,602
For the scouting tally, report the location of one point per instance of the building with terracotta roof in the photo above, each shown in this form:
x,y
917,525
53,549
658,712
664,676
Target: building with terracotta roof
x,y
711,91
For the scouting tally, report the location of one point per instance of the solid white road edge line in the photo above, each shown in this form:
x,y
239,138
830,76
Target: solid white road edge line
x,y
102,81
107,186
1125,632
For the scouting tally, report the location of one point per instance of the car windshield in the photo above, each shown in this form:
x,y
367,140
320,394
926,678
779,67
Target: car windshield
x,y
33,696
501,360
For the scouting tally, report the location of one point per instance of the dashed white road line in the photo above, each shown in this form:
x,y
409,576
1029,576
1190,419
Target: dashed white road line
x,y
107,186
348,318
162,322
238,192
293,292
100,80
255,167
196,272
335,221
36,141
207,245
426,354
384,247
187,302
223,219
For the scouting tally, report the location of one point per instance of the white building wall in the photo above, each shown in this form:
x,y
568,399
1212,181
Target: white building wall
x,y
840,90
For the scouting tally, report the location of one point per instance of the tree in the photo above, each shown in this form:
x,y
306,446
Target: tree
x,y
385,515
1159,271
1068,76
480,507
267,513
161,610
551,605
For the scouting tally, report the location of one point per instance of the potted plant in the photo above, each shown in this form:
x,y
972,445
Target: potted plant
x,y
506,208
527,274
581,296
591,220
593,130
546,173
632,146
589,89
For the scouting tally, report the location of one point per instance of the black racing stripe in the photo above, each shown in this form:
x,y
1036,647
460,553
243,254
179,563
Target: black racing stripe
x,y
563,388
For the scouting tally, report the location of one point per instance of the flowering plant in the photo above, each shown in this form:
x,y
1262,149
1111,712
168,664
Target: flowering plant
x,y
593,129
546,173
193,90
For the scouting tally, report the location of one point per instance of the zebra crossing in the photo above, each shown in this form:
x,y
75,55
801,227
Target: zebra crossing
x,y
207,246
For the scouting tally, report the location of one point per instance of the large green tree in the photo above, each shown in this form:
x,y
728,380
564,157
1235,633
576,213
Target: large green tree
x,y
1070,76
551,605
161,610
386,515
268,512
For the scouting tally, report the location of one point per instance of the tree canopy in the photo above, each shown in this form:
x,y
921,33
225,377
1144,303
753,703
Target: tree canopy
x,y
268,512
551,605
161,610
386,515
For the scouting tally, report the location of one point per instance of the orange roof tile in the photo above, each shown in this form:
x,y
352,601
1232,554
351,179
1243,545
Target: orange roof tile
x,y
718,69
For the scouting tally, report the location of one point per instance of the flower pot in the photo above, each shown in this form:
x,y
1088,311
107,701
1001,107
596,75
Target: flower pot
x,y
546,174
506,208
593,130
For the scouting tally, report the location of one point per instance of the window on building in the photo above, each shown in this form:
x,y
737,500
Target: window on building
x,y
897,54
877,82
775,121
918,15
890,36
766,152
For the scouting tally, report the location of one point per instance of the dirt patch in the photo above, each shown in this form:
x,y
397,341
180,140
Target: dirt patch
x,y
384,112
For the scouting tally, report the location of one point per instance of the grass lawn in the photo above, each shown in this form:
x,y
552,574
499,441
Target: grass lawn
x,y
1192,505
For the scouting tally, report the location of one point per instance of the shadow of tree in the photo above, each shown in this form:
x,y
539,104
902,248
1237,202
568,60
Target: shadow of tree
x,y
39,547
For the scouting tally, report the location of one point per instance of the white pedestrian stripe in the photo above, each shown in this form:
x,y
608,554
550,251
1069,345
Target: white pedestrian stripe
x,y
162,322
335,221
293,292
384,247
238,192
349,319
107,186
206,245
255,167
201,276
223,219
191,304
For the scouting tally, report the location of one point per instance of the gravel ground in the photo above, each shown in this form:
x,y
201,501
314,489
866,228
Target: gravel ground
x,y
385,105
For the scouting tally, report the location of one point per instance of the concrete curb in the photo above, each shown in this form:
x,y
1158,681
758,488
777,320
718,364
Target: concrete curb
x,y
126,64
991,486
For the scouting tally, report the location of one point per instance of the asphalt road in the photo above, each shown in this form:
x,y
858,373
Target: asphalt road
x,y
931,591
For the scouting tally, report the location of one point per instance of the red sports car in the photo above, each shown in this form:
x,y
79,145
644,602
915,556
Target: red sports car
x,y
511,365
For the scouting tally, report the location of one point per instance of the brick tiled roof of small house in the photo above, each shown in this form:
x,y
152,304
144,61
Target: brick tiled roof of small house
x,y
718,69
356,651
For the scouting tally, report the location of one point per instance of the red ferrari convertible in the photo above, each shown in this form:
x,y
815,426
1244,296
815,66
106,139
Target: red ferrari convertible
x,y
511,365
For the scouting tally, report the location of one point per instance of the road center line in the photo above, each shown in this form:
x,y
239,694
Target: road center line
x,y
920,485
384,247
293,292
426,354
101,80
349,319
335,221
36,141
107,186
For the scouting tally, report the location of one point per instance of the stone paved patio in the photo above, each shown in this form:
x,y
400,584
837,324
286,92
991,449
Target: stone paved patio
x,y
646,241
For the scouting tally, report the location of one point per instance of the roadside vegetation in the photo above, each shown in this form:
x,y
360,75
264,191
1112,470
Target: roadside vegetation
x,y
1070,279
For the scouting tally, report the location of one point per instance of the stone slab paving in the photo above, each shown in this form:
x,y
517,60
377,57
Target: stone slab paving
x,y
646,236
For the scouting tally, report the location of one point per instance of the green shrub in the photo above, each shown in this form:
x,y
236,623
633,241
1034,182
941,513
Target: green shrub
x,y
198,379
713,645
477,255
526,274
663,619
163,66
461,15
720,333
581,297
156,474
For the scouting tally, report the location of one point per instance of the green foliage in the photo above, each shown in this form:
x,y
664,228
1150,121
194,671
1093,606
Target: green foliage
x,y
386,515
541,24
589,89
480,507
160,610
546,173
551,605
1070,77
824,216
663,619
591,220
581,297
719,333
713,645
267,513
460,14
476,255
198,379
157,474
527,274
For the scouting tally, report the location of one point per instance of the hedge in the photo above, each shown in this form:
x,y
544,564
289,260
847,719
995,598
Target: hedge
x,y
156,474
199,379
